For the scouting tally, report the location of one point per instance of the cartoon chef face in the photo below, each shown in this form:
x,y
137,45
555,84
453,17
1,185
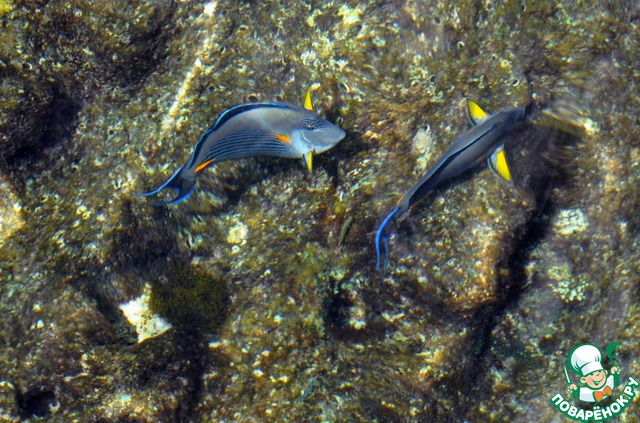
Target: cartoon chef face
x,y
595,380
586,360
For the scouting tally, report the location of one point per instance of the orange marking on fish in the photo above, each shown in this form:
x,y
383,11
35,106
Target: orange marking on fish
x,y
283,138
204,165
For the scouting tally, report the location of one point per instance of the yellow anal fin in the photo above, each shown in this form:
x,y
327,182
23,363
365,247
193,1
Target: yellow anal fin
x,y
204,165
498,163
283,138
309,160
475,112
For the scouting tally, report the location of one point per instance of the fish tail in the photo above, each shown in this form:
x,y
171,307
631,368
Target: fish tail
x,y
179,182
382,238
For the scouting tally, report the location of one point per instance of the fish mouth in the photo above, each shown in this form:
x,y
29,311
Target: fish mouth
x,y
334,135
323,139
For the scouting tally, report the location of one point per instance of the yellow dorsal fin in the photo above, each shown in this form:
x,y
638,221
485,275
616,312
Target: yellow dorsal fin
x,y
308,104
475,112
498,163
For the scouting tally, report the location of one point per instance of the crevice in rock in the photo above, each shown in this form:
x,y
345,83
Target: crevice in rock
x,y
546,166
198,355
336,314
35,403
511,283
59,123
549,161
542,161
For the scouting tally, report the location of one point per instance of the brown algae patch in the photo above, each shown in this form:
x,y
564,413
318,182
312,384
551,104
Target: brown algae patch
x,y
191,298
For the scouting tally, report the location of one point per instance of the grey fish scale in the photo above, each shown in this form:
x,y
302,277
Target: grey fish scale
x,y
468,151
233,117
443,171
261,124
245,144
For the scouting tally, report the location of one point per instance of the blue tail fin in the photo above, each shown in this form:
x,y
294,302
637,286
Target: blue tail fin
x,y
382,237
177,181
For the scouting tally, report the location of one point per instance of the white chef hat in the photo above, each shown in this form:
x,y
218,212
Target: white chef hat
x,y
585,359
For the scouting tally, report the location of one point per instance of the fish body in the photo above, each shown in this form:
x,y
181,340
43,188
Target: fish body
x,y
483,141
255,129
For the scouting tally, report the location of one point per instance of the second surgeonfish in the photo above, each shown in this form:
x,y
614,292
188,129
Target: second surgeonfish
x,y
483,141
255,129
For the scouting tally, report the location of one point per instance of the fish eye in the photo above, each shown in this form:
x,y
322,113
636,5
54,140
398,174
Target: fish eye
x,y
310,125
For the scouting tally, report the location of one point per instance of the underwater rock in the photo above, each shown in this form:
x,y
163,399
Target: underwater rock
x,y
138,312
58,54
578,278
277,310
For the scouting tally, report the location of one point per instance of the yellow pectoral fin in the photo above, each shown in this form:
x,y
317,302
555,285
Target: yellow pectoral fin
x,y
498,162
475,112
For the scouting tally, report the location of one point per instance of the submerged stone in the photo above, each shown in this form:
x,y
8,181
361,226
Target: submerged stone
x,y
277,311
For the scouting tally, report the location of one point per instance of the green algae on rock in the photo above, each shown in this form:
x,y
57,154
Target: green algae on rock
x,y
54,51
476,307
